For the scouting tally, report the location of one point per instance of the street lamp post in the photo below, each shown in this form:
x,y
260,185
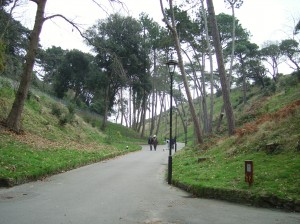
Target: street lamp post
x,y
176,111
171,66
185,132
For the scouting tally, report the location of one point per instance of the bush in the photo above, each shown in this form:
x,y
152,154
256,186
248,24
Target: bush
x,y
5,84
2,55
71,108
288,81
68,118
64,117
57,110
270,89
296,74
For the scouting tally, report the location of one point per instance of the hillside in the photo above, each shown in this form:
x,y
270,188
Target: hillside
x,y
56,138
268,133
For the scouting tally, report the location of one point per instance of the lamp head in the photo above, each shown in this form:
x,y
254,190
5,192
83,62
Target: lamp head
x,y
171,65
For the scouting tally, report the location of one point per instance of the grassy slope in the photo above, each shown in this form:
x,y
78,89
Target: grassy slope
x,y
46,147
269,120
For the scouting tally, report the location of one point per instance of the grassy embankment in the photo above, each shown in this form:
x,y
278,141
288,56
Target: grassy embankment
x,y
55,139
268,134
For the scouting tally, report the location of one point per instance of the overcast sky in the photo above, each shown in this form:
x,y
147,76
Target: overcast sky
x,y
265,19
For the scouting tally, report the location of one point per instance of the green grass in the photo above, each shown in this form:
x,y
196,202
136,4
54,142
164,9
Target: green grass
x,y
222,172
47,147
221,175
21,163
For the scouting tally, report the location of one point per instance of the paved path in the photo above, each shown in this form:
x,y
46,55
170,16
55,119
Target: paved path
x,y
126,190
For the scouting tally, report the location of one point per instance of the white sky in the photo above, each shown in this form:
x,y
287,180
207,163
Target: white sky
x,y
265,19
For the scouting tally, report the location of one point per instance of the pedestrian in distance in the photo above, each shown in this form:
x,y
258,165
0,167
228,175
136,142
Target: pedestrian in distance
x,y
150,142
166,144
155,142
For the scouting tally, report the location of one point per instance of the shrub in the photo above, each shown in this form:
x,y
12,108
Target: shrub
x,y
56,110
68,118
2,55
270,89
288,81
5,84
71,108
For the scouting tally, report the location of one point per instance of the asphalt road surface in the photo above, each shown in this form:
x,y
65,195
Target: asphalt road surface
x,y
127,190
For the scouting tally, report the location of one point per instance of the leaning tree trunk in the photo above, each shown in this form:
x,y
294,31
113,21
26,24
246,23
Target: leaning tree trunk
x,y
211,69
13,120
143,116
231,60
222,72
154,95
105,115
161,112
199,135
172,28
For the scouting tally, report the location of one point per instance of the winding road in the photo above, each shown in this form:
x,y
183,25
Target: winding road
x,y
128,190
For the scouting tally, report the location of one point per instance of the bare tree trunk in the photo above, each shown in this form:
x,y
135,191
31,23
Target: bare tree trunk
x,y
126,119
130,108
198,87
183,118
221,115
13,120
222,72
172,27
143,116
138,119
153,95
211,70
122,106
134,120
155,108
106,102
161,112
202,99
233,44
232,5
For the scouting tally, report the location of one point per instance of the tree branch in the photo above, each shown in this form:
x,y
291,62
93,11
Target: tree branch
x,y
10,19
90,42
165,16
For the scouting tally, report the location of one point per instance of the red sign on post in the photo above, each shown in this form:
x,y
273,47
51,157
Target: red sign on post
x,y
249,172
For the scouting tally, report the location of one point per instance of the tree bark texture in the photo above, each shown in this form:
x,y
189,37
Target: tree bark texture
x,y
222,72
172,27
211,69
13,120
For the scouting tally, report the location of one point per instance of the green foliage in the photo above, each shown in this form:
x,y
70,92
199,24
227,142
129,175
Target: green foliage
x,y
2,55
57,110
34,105
51,59
56,140
67,118
13,43
273,145
64,117
288,81
296,74
20,163
119,44
223,170
6,88
71,108
269,89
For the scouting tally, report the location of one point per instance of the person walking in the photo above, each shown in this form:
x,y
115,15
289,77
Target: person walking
x,y
150,142
155,142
